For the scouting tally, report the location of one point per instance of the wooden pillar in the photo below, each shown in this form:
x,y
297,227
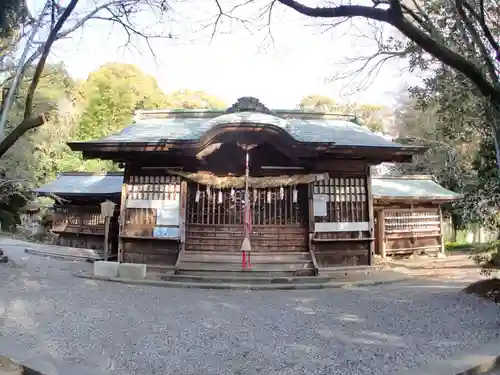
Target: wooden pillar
x,y
311,245
380,233
441,230
183,214
121,226
370,214
310,195
106,237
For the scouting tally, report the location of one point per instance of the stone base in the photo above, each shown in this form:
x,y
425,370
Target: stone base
x,y
132,271
106,269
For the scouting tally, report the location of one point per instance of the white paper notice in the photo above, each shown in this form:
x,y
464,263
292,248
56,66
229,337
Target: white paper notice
x,y
319,204
168,214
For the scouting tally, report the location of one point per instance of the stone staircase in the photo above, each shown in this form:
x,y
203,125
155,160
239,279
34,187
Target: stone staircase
x,y
211,264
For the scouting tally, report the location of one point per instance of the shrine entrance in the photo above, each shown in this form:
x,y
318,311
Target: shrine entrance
x,y
277,200
215,218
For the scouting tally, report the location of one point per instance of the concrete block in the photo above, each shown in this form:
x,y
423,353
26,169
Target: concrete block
x,y
106,269
132,271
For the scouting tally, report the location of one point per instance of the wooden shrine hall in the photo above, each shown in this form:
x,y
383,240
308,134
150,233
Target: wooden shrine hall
x,y
408,217
290,188
77,219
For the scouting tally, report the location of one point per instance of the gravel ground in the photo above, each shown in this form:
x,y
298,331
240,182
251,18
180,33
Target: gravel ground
x,y
121,329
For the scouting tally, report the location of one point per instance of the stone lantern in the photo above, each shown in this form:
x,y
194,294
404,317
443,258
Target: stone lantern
x,y
107,210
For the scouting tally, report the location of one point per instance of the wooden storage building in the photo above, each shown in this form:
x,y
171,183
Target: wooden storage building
x,y
184,204
408,214
77,219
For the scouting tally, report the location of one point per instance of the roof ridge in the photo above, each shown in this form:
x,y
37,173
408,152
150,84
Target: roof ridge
x,y
406,177
85,173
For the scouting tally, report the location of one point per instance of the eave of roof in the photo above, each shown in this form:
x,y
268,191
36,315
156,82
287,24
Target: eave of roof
x,y
411,188
75,184
305,128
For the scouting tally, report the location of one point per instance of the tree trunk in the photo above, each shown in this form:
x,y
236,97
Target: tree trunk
x,y
494,117
19,130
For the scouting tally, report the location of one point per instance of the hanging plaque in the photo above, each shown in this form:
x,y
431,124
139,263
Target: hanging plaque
x,y
165,232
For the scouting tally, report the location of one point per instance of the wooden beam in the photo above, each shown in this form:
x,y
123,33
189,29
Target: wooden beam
x,y
182,221
122,221
380,233
441,228
311,244
370,213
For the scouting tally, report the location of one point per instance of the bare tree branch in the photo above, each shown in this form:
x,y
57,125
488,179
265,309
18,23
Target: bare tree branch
x,y
19,130
485,57
481,18
41,63
391,16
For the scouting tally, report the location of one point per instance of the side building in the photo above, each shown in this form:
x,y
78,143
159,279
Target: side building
x,y
408,214
77,219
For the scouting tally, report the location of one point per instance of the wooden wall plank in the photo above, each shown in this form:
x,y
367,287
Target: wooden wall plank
x,y
342,227
371,218
380,233
122,221
410,229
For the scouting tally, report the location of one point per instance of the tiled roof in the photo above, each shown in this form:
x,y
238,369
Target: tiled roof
x,y
80,183
419,187
301,126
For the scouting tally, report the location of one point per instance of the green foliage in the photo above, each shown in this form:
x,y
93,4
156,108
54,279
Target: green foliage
x,y
316,102
489,258
187,99
374,117
115,91
482,198
472,248
90,109
112,94
12,14
448,115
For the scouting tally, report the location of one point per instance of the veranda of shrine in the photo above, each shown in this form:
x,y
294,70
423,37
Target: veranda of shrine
x,y
310,193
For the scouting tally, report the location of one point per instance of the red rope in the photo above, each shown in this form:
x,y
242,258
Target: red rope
x,y
243,260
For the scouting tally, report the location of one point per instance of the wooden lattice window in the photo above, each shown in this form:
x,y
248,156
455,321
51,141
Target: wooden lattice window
x,y
270,206
146,195
346,199
154,188
408,220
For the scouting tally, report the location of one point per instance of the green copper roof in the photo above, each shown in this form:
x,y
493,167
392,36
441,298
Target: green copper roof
x,y
302,127
420,187
81,183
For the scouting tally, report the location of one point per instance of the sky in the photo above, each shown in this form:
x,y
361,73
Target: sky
x,y
300,59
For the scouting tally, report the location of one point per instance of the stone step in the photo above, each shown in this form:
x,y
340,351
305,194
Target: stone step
x,y
237,252
192,248
248,273
286,266
235,257
244,278
262,269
